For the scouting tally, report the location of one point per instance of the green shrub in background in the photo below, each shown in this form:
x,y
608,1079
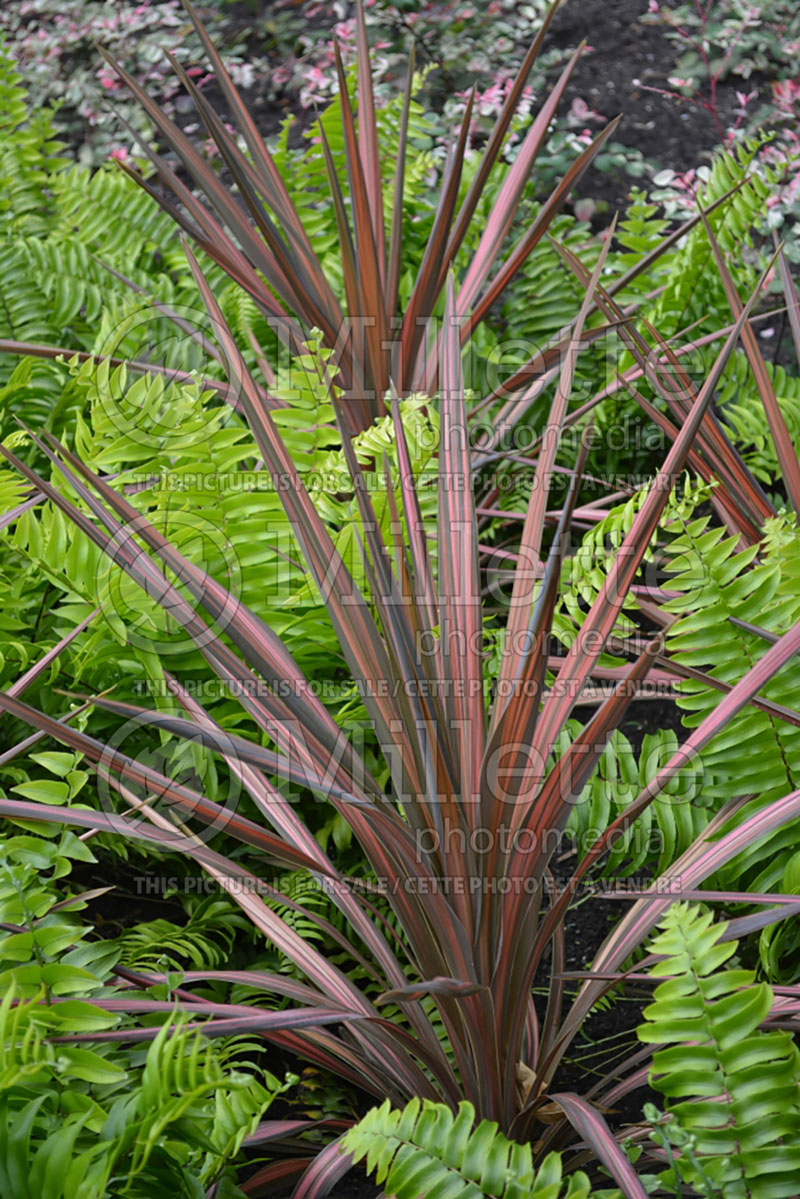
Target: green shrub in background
x,y
55,46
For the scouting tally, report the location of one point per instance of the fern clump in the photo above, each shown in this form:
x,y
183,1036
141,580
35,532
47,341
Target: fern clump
x,y
731,604
424,1150
729,1084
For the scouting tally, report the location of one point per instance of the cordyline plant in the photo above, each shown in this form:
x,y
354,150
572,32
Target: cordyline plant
x,y
259,239
257,236
461,842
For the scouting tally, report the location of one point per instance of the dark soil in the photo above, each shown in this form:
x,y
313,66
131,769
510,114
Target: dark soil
x,y
623,53
622,49
267,111
354,1185
608,1038
131,901
668,132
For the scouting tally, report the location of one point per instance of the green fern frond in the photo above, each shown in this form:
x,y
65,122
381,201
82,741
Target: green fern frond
x,y
22,1048
743,411
694,288
203,943
664,830
733,1086
725,595
425,1152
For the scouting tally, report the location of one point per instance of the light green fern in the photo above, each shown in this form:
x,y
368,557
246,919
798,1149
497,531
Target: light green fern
x,y
730,605
734,1087
694,288
75,1124
425,1152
